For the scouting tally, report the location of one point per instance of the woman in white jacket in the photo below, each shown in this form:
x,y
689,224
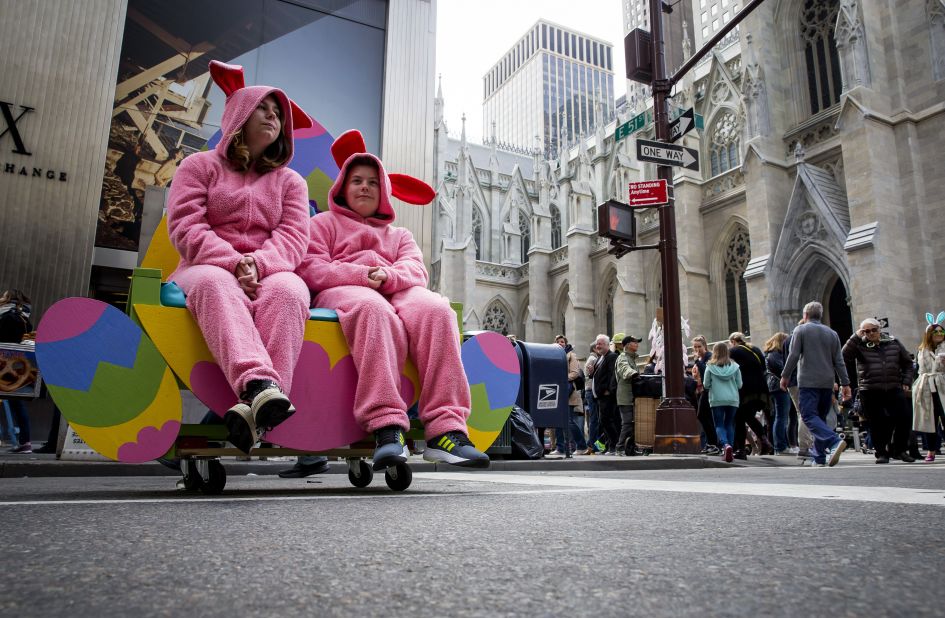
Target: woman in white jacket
x,y
928,391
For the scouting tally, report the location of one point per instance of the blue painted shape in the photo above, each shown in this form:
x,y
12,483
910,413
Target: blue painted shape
x,y
173,296
72,363
501,386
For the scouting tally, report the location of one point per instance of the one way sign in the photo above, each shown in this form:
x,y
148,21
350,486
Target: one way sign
x,y
668,154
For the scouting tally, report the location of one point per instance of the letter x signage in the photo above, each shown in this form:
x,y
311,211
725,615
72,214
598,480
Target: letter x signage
x,y
6,109
668,154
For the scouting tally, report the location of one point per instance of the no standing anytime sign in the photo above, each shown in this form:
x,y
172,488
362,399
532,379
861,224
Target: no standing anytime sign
x,y
648,193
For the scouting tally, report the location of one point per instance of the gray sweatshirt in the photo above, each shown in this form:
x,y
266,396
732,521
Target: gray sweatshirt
x,y
815,352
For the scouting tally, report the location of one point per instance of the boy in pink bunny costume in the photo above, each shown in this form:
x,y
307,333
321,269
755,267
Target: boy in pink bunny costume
x,y
239,218
372,274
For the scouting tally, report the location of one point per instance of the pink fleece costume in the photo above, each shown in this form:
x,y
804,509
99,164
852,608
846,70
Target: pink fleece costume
x,y
383,326
215,215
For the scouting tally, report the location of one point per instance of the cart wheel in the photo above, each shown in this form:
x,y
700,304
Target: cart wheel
x,y
216,478
192,480
398,477
363,476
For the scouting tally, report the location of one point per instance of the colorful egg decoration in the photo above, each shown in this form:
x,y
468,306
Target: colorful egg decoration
x,y
492,370
108,380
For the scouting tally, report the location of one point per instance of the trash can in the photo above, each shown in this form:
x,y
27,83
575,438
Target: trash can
x,y
543,392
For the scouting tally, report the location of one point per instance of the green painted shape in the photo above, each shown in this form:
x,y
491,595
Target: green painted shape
x,y
484,418
318,186
118,394
145,290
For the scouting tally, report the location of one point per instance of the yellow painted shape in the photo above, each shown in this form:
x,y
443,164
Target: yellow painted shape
x,y
176,336
161,253
165,407
482,440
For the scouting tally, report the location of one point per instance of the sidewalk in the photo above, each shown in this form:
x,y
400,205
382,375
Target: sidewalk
x,y
36,465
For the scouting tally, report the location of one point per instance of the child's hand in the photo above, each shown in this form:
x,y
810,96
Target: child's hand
x,y
248,276
376,276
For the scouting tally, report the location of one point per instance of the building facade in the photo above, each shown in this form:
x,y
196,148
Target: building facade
x,y
102,104
553,83
821,179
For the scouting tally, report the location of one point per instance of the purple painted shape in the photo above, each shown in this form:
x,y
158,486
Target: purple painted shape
x,y
314,131
209,385
324,399
151,443
69,317
498,350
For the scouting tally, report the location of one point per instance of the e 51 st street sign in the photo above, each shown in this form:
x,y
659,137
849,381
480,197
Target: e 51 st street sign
x,y
631,126
668,154
684,123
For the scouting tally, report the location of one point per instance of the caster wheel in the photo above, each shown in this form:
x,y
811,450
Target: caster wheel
x,y
398,477
364,474
216,478
191,480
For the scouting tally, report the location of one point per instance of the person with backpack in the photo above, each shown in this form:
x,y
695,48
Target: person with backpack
x,y
723,380
753,395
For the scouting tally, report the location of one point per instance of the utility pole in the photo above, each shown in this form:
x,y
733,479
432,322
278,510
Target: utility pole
x,y
677,429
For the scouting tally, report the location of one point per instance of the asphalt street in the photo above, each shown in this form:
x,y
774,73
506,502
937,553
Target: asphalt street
x,y
853,540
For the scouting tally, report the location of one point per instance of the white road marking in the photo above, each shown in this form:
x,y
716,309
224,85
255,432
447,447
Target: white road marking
x,y
895,495
237,498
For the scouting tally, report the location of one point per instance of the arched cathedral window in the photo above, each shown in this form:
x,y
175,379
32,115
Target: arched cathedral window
x,y
555,227
477,232
524,230
496,319
737,255
723,151
818,20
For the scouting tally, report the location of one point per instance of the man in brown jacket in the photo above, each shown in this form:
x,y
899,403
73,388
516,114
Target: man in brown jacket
x,y
576,388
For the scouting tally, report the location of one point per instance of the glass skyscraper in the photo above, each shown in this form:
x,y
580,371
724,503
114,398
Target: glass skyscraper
x,y
548,86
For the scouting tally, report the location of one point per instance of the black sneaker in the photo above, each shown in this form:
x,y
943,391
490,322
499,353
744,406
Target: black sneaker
x,y
268,403
454,447
391,447
301,470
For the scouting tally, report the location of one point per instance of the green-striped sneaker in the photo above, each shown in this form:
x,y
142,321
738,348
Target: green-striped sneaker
x,y
391,447
454,447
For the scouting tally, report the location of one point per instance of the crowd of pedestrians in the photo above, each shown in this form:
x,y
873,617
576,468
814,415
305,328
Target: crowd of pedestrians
x,y
793,396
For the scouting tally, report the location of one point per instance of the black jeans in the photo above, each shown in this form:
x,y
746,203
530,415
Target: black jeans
x,y
704,415
933,441
890,422
609,421
627,440
746,416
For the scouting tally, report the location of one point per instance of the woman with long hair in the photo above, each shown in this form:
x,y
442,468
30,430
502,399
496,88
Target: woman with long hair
x,y
239,217
774,364
927,397
700,357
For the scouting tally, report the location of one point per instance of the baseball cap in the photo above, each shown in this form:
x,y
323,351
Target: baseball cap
x,y
630,339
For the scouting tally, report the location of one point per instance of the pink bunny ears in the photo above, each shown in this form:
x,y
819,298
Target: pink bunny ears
x,y
940,319
229,77
403,187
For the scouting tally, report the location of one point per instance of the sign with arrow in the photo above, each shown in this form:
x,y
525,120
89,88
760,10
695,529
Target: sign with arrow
x,y
648,193
668,154
684,123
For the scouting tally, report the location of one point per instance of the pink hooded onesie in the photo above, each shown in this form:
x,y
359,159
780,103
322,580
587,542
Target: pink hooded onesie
x,y
216,215
383,326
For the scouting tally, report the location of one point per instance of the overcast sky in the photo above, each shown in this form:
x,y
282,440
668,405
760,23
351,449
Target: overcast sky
x,y
471,36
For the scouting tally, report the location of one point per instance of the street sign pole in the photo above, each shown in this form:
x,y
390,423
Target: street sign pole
x,y
677,428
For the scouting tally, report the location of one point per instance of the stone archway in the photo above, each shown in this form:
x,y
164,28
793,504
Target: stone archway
x,y
820,282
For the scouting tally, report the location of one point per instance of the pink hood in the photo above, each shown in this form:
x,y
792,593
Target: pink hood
x,y
385,211
240,105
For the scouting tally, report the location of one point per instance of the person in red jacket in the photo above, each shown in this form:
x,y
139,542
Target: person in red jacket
x,y
372,274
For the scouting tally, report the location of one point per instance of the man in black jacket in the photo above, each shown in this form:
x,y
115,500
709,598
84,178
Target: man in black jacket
x,y
605,387
884,374
753,395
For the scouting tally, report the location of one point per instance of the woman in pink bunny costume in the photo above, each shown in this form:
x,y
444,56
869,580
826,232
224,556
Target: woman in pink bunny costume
x,y
372,274
239,218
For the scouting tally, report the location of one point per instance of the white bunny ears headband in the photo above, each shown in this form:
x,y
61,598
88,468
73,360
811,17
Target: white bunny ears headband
x,y
940,319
